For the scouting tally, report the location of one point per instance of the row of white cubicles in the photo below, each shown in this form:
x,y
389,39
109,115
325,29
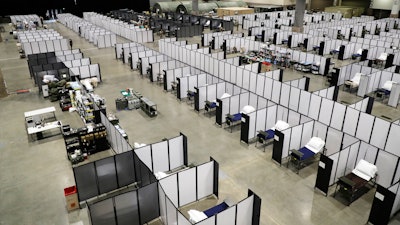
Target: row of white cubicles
x,y
158,184
129,31
42,41
99,36
355,43
286,18
370,81
313,115
309,115
48,56
16,19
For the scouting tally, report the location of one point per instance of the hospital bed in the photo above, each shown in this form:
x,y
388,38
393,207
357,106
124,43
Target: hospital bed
x,y
354,82
196,216
190,96
315,67
355,184
335,51
385,90
212,105
381,59
234,119
264,136
357,54
305,155
303,66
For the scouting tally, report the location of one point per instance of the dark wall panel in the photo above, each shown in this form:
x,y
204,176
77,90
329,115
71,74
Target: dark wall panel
x,y
148,203
86,183
102,213
125,168
106,175
76,7
127,209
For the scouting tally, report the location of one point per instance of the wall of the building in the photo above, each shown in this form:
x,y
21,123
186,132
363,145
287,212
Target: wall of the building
x,y
39,7
320,4
356,3
271,2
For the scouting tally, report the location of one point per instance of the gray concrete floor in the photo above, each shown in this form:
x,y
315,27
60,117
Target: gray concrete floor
x,y
33,175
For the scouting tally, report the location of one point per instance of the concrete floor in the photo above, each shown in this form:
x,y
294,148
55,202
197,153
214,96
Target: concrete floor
x,y
33,175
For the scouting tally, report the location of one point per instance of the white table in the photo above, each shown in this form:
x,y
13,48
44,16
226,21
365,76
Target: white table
x,y
44,127
37,112
36,124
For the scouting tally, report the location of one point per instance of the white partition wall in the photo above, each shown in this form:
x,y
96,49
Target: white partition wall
x,y
164,156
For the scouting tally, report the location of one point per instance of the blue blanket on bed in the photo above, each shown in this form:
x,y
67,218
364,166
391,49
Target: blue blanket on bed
x,y
236,117
216,209
269,134
212,105
307,153
382,90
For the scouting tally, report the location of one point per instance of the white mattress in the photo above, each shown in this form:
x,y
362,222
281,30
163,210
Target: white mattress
x,y
383,56
365,170
315,144
280,125
388,85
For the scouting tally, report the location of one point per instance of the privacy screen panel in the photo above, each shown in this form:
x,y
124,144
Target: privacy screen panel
x,y
125,168
205,178
365,125
163,206
315,105
102,213
227,217
187,186
182,219
148,203
393,140
86,182
350,124
160,156
326,112
338,112
127,209
106,175
333,141
144,154
208,221
171,212
386,164
176,152
305,98
244,212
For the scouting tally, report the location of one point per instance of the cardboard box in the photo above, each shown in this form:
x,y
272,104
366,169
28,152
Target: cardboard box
x,y
71,198
231,11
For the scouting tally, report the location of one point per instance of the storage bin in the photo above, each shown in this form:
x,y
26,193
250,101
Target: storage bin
x,y
71,198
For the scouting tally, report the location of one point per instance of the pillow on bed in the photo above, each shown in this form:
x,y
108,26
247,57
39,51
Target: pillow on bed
x,y
366,168
316,143
248,109
280,125
196,216
225,95
356,78
359,51
383,56
388,85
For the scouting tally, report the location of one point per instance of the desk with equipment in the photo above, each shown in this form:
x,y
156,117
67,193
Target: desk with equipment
x,y
41,123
